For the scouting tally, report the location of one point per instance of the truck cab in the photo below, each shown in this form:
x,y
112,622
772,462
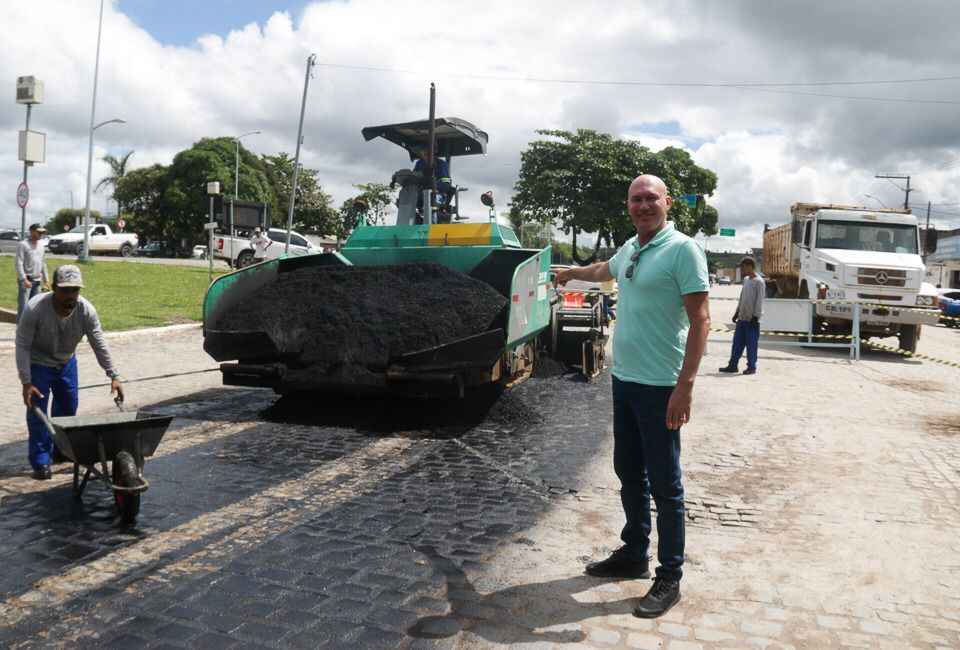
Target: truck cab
x,y
850,258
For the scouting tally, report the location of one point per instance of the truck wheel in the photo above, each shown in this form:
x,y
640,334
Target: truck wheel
x,y
126,250
125,474
245,259
78,250
908,337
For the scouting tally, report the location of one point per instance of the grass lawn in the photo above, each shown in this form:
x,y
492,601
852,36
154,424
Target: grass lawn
x,y
129,295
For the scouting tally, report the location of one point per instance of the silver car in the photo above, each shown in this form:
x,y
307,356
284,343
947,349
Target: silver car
x,y
9,240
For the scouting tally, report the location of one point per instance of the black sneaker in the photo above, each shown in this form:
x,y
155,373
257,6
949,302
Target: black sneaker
x,y
750,371
42,473
663,595
619,565
730,369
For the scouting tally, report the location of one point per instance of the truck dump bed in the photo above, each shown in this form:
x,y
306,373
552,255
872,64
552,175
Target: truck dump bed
x,y
779,253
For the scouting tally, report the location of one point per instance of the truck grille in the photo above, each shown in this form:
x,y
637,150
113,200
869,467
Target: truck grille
x,y
881,277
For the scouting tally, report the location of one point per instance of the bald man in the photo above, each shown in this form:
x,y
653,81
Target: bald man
x,y
663,319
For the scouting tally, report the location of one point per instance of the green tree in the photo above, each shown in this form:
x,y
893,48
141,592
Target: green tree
x,y
578,181
118,169
64,219
141,191
313,210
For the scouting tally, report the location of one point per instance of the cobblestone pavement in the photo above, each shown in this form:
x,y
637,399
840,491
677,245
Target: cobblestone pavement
x,y
822,505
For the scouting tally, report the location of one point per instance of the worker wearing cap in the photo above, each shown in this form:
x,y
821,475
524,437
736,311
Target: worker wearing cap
x,y
663,319
747,318
52,326
31,268
260,244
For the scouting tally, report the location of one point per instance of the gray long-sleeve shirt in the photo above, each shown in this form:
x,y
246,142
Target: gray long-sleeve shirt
x,y
751,298
43,337
30,263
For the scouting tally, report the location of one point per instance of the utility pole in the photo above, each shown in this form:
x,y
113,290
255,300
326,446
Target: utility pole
x,y
906,195
926,236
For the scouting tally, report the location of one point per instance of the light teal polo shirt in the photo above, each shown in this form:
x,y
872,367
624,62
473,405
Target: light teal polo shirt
x,y
651,332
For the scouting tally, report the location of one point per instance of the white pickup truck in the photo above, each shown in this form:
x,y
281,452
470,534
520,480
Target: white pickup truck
x,y
238,252
103,241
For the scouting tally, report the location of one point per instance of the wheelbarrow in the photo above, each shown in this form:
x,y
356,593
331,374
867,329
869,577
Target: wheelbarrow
x,y
126,438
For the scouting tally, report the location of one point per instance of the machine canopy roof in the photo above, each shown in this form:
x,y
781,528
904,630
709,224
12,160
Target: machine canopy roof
x,y
454,137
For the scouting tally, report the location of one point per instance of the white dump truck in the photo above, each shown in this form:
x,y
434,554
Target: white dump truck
x,y
859,258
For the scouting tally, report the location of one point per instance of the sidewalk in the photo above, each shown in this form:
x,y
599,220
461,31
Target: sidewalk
x,y
138,354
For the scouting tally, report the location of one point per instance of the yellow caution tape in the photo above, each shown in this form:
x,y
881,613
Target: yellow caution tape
x,y
868,343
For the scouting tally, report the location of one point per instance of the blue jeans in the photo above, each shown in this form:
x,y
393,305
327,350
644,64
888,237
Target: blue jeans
x,y
745,336
646,458
24,295
62,382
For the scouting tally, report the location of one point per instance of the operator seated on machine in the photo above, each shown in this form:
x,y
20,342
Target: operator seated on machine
x,y
441,172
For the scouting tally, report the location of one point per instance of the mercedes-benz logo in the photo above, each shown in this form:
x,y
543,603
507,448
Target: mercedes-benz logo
x,y
882,277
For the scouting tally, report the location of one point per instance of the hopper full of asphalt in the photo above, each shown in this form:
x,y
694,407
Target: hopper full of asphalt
x,y
349,320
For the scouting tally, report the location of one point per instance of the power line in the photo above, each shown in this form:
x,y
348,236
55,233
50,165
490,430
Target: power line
x,y
680,84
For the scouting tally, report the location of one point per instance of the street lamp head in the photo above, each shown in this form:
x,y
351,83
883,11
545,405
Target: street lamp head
x,y
117,120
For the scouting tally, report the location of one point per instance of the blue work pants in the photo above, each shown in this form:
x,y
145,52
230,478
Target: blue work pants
x,y
24,295
646,458
745,336
62,382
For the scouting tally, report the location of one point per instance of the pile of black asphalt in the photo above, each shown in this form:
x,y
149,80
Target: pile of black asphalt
x,y
349,321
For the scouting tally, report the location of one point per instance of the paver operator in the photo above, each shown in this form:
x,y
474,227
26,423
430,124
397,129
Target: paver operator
x,y
747,318
663,319
31,268
52,326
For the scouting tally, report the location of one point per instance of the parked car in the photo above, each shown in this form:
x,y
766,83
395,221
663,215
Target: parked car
x,y
950,307
238,252
9,240
199,252
724,280
161,249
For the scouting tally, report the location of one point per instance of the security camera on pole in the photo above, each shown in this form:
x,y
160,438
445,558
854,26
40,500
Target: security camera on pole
x,y
32,143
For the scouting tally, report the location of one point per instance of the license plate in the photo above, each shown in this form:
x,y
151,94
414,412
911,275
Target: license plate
x,y
877,321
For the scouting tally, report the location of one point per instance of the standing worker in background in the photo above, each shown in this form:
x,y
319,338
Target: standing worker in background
x,y
747,317
260,243
663,319
31,267
52,326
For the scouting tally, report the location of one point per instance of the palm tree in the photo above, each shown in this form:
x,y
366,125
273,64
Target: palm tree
x,y
118,169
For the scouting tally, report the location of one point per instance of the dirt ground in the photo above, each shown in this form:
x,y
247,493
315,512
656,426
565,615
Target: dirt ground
x,y
822,503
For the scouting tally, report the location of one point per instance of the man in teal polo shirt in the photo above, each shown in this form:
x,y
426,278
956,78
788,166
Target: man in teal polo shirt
x,y
663,319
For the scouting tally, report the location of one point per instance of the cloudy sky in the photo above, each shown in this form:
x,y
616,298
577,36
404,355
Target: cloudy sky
x,y
785,101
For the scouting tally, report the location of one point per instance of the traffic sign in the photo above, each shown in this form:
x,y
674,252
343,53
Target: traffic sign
x,y
691,200
727,232
23,194
121,224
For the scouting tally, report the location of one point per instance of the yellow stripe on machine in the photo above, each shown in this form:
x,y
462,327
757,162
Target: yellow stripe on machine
x,y
459,234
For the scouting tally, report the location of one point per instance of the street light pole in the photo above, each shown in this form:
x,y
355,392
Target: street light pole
x,y
93,111
236,164
85,257
311,61
871,196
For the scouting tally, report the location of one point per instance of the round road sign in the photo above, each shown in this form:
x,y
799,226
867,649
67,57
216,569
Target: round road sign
x,y
121,224
23,194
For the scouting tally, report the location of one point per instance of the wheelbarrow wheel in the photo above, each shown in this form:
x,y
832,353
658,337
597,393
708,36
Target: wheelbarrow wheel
x,y
125,474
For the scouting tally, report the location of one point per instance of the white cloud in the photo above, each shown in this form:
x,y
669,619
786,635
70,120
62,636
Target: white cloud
x,y
768,149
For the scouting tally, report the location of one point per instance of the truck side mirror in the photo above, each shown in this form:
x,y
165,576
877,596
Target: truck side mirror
x,y
931,242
